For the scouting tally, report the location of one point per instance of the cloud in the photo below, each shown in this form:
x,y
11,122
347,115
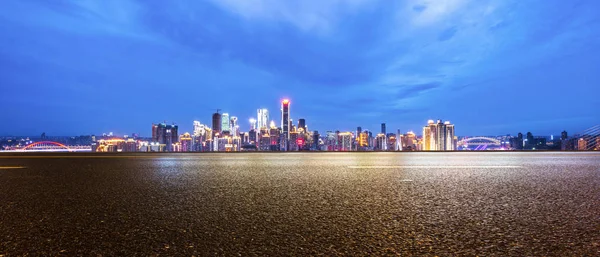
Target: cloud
x,y
447,34
419,8
330,55
306,15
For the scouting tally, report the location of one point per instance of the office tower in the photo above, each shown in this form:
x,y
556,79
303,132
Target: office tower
x,y
216,122
225,123
302,124
383,128
392,142
363,139
285,118
428,132
253,137
264,139
450,142
165,134
252,123
315,139
185,140
263,118
439,136
275,137
293,142
358,131
564,135
234,128
380,142
344,141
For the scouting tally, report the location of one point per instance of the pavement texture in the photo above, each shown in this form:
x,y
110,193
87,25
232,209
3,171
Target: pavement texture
x,y
282,204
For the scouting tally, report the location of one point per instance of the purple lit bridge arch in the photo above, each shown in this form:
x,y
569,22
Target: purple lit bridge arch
x,y
481,142
50,146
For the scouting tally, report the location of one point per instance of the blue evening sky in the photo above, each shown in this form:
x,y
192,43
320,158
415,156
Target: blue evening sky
x,y
489,66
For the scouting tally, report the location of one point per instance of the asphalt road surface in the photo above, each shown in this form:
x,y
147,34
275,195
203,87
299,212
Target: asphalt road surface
x,y
504,204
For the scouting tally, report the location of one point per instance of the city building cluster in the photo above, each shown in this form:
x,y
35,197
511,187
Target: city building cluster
x,y
224,134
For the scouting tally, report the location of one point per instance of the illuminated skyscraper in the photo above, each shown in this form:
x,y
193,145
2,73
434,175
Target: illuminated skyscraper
x,y
450,138
439,136
263,118
380,142
344,141
216,122
383,128
225,123
285,118
234,127
252,123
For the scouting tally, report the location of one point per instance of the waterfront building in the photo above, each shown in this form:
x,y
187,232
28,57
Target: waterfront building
x,y
186,142
262,118
380,142
439,136
165,134
225,123
216,122
285,123
302,124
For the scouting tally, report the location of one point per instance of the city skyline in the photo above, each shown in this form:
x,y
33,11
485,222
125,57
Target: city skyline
x,y
490,67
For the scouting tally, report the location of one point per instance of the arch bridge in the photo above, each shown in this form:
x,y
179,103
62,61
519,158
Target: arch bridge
x,y
480,141
50,146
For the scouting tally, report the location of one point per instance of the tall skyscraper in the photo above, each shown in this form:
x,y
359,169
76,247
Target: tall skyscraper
x,y
383,129
439,136
263,118
252,123
234,126
225,123
450,138
285,118
216,122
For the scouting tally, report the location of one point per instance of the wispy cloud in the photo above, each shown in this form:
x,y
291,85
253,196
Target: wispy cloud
x,y
378,57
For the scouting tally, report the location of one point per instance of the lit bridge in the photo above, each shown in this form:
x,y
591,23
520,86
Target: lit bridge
x,y
482,143
49,146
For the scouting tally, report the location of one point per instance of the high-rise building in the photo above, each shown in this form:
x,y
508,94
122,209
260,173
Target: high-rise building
x,y
234,127
383,128
216,122
302,124
285,118
263,118
439,136
315,139
380,142
345,141
185,141
225,123
275,138
252,123
165,134
451,140
409,142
